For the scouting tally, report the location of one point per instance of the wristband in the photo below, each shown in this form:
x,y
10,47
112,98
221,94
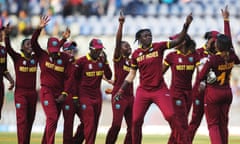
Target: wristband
x,y
65,94
75,97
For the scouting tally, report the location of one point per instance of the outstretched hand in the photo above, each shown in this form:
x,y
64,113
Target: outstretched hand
x,y
66,33
118,96
44,21
121,18
189,19
225,12
7,29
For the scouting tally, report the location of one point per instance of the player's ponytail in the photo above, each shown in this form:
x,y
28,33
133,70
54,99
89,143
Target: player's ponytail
x,y
224,45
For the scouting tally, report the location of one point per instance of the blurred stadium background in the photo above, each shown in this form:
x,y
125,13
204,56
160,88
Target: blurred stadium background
x,y
99,18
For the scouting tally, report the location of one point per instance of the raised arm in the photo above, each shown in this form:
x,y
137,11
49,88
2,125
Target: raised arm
x,y
65,36
227,29
34,41
117,51
7,31
182,34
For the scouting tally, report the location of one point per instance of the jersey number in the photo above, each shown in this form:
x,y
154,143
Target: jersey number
x,y
221,78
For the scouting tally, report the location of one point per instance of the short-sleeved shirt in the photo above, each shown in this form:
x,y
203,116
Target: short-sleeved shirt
x,y
122,67
89,74
182,67
149,63
221,68
3,61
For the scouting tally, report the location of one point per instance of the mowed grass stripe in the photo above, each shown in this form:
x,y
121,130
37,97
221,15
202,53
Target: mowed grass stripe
x,y
11,138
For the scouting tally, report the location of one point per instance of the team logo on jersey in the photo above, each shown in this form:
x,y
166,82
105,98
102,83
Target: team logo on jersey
x,y
84,106
18,105
2,51
197,102
24,62
59,61
100,65
178,102
180,60
45,103
90,66
67,107
117,106
32,61
190,59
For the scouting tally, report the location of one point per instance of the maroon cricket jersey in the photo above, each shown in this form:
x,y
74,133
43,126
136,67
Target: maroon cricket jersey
x,y
54,72
149,63
89,74
182,67
25,68
121,69
3,61
221,69
203,56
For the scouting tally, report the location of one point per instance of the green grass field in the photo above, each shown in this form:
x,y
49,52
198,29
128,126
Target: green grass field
x,y
11,138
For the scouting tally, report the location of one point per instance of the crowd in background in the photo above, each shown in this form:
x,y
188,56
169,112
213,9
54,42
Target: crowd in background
x,y
23,14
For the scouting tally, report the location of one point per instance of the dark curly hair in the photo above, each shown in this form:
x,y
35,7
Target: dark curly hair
x,y
138,33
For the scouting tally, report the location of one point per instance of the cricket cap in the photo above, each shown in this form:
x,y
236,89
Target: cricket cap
x,y
53,45
70,46
96,44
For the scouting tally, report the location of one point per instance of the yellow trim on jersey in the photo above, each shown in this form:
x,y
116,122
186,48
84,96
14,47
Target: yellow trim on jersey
x,y
166,63
205,49
168,44
204,46
179,52
198,63
75,97
133,65
117,59
88,56
64,93
3,60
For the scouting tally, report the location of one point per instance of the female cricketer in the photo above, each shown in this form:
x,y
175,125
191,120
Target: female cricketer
x,y
25,95
88,72
3,70
55,68
124,106
182,62
152,89
205,52
218,95
71,103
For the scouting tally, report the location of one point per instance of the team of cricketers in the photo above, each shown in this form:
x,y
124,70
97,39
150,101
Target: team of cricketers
x,y
73,85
